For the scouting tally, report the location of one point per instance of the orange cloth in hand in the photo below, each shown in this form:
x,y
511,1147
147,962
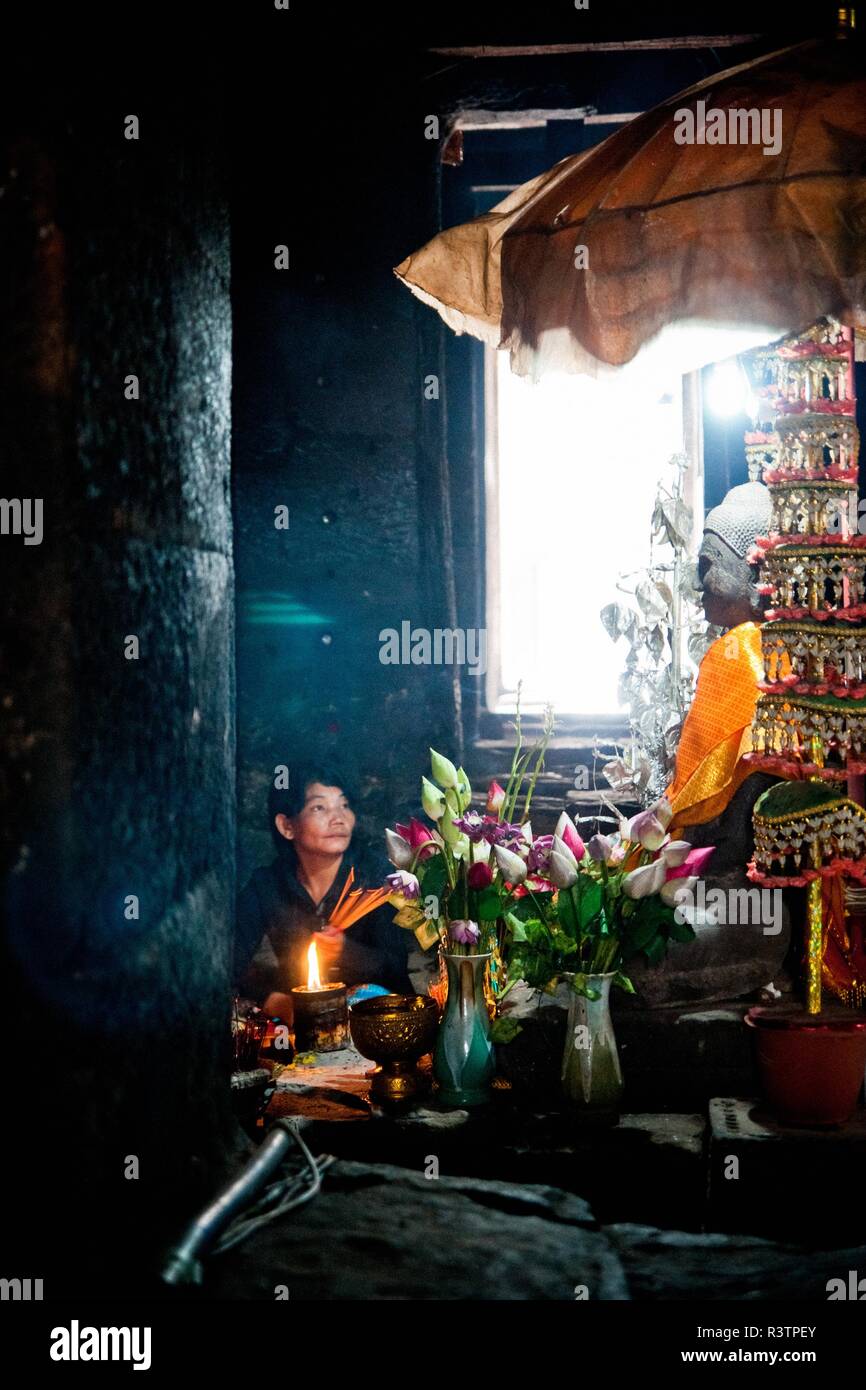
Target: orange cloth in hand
x,y
718,728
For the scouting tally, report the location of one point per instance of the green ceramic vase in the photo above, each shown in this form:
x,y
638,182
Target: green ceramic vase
x,y
463,1058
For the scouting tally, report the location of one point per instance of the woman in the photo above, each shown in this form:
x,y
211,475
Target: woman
x,y
287,904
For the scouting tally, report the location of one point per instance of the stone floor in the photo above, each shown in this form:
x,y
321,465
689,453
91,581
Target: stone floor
x,y
515,1201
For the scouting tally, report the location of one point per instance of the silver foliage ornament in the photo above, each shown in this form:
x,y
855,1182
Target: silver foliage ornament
x,y
667,638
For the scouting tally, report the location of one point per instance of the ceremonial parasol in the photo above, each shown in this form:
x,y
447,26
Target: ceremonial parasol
x,y
676,235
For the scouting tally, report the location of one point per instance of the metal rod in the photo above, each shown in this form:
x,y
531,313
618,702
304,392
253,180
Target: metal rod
x,y
184,1262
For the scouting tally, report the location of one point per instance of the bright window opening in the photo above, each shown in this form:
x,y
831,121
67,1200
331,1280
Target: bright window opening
x,y
572,468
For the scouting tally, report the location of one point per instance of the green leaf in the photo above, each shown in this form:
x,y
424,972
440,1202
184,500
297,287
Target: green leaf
x,y
567,913
655,949
515,926
503,1030
640,931
538,934
433,875
589,902
523,908
580,985
681,931
623,982
489,905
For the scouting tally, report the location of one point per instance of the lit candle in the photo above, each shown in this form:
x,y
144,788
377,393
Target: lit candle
x,y
320,1011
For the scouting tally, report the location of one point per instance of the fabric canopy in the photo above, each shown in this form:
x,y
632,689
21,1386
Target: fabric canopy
x,y
679,237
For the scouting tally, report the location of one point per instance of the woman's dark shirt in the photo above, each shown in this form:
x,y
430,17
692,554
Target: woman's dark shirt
x,y
277,919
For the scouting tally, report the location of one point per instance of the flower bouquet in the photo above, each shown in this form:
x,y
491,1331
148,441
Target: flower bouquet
x,y
455,878
612,898
615,897
454,881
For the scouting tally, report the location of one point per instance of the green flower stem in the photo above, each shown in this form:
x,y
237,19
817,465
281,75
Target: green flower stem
x,y
541,746
535,903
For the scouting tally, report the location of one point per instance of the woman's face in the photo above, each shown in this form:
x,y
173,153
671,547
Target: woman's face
x,y
325,823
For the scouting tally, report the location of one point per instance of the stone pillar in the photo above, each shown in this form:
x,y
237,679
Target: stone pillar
x,y
117,700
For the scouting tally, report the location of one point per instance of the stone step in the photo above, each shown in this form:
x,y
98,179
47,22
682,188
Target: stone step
x,y
773,1179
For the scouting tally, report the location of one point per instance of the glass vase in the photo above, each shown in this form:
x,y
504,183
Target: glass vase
x,y
591,1074
463,1058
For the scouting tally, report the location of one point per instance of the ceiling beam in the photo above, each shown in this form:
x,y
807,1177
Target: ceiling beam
x,y
626,45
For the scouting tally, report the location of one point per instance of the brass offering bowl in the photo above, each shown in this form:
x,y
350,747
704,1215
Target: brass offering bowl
x,y
394,1030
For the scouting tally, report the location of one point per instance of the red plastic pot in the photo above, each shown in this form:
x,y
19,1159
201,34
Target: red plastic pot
x,y
811,1065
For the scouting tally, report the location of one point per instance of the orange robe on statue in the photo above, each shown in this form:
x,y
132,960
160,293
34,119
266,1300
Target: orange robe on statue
x,y
710,767
718,728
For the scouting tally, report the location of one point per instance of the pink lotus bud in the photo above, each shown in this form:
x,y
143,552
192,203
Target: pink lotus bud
x,y
495,799
561,848
662,811
568,833
678,891
643,882
693,863
647,829
562,871
676,852
400,852
600,848
511,866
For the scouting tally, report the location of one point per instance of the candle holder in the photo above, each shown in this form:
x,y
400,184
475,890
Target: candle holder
x,y
394,1030
321,1018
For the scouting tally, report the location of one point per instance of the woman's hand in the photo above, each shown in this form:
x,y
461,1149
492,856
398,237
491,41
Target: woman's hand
x,y
279,1005
330,933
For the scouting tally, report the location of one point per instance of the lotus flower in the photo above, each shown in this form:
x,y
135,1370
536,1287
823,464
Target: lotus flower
x,y
561,848
647,829
662,811
480,876
465,932
678,890
400,852
495,799
511,866
675,852
472,825
643,882
501,832
464,789
600,848
404,883
444,771
562,871
419,837
568,833
693,863
432,799
539,854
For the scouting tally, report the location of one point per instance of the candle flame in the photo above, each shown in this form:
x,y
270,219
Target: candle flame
x,y
313,978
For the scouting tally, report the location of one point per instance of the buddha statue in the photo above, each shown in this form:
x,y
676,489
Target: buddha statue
x,y
714,789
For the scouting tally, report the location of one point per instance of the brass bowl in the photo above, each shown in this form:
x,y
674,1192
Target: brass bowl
x,y
394,1030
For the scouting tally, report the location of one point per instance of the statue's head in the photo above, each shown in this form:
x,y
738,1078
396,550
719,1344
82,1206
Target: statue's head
x,y
727,579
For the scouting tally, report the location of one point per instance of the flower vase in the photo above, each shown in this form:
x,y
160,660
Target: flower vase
x,y
463,1058
591,1074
